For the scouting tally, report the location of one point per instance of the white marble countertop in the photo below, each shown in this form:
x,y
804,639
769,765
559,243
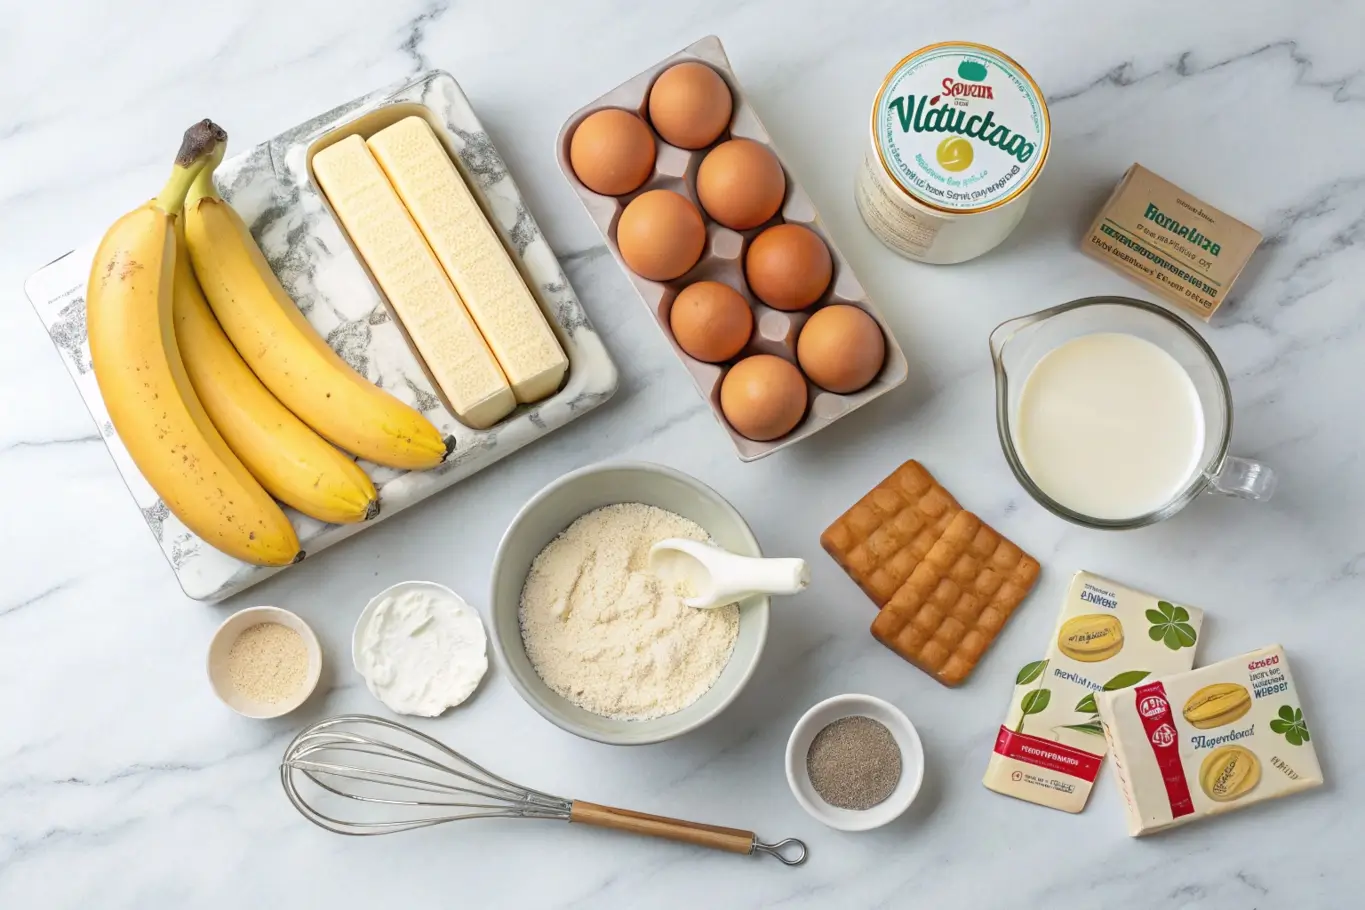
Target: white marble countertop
x,y
124,783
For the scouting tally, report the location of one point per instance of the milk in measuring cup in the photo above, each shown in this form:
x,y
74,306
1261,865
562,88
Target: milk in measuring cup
x,y
1109,425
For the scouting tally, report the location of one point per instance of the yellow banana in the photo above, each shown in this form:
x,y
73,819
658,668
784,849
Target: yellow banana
x,y
286,353
294,464
147,392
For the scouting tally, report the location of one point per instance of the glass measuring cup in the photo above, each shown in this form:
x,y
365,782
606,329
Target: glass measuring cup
x,y
1018,345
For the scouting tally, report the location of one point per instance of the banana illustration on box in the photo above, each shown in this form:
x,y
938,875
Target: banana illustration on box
x,y
1229,773
1216,705
1091,638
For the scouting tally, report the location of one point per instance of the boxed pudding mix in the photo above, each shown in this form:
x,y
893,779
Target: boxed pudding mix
x,y
1211,740
1108,637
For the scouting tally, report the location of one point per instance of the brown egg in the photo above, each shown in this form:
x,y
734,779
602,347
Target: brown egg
x,y
740,184
612,152
660,235
711,321
841,348
788,267
763,397
690,105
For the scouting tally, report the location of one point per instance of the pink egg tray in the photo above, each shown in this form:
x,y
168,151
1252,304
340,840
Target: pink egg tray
x,y
775,331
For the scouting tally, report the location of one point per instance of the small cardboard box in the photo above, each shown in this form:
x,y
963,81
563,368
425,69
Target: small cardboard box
x,y
1179,246
1211,740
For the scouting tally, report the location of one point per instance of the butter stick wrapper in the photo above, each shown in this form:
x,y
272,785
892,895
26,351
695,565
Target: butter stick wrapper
x,y
1108,637
1208,741
1170,241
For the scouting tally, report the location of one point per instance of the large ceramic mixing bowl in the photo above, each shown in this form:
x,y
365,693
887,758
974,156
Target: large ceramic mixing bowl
x,y
556,507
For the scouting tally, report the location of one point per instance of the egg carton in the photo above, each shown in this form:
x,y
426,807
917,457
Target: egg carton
x,y
775,331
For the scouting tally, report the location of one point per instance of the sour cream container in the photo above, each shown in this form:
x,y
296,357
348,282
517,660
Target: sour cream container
x,y
959,134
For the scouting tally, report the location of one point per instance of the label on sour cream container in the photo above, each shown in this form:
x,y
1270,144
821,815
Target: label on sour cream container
x,y
960,127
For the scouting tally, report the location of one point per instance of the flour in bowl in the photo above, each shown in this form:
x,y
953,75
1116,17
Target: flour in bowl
x,y
607,634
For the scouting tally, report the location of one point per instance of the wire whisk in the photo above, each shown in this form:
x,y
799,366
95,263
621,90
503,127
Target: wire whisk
x,y
380,769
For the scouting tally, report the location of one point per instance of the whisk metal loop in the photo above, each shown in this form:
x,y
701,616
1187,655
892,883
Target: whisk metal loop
x,y
775,850
380,764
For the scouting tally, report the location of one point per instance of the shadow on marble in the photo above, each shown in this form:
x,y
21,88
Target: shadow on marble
x,y
874,424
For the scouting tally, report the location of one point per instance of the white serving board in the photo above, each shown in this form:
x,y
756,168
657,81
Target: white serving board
x,y
270,187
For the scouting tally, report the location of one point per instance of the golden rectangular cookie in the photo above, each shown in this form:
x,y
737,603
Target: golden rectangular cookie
x,y
881,539
956,600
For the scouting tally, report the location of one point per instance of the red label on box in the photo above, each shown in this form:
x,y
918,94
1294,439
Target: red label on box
x,y
1155,710
1047,754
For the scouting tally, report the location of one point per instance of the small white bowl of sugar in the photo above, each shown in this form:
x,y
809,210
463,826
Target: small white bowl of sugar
x,y
264,662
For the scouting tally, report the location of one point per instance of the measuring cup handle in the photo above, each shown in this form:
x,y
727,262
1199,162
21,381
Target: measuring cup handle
x,y
1244,478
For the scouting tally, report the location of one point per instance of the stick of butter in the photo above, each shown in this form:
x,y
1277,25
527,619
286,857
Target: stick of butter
x,y
421,294
1211,740
469,250
1108,637
1176,244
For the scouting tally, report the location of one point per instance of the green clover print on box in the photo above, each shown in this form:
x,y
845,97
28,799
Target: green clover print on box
x,y
1171,626
1290,724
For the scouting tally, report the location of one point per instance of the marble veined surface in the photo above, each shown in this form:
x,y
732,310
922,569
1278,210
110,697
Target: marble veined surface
x,y
124,783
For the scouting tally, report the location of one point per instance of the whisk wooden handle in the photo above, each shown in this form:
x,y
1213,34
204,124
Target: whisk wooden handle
x,y
732,840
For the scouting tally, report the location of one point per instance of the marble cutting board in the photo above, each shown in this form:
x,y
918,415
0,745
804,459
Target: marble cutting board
x,y
270,187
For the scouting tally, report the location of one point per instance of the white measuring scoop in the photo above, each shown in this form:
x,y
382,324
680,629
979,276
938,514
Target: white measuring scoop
x,y
711,577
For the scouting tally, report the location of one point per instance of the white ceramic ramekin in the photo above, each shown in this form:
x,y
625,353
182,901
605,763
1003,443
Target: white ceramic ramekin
x,y
222,643
826,713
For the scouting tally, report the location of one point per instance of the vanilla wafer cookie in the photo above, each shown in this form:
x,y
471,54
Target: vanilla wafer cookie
x,y
956,600
881,539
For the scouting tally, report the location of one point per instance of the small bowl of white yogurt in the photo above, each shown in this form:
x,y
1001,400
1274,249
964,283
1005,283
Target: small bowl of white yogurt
x,y
420,648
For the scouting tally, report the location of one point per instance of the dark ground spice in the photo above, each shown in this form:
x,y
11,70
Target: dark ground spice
x,y
854,763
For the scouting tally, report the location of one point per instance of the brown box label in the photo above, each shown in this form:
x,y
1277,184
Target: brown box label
x,y
1180,247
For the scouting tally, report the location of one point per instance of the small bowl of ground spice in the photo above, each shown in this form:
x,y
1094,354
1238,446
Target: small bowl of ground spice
x,y
264,662
855,762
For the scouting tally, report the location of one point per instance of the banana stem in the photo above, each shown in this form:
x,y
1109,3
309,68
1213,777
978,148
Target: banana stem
x,y
201,186
171,199
201,143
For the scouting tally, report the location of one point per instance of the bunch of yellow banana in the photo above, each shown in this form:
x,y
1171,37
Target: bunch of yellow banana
x,y
210,435
143,381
